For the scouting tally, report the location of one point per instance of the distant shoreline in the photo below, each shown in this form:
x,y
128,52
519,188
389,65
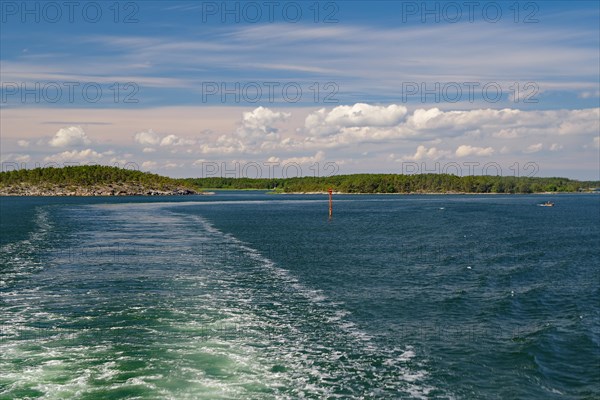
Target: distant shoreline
x,y
95,191
435,193
22,191
112,181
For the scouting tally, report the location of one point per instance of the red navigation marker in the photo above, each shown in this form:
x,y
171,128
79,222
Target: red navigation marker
x,y
330,202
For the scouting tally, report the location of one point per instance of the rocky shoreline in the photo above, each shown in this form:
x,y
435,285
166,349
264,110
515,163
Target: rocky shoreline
x,y
96,190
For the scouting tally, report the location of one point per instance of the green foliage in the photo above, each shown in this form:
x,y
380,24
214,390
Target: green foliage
x,y
89,175
85,176
392,183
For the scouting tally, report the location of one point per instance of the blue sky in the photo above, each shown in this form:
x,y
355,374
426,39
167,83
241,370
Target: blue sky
x,y
181,87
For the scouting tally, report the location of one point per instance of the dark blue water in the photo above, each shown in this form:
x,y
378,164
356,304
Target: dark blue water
x,y
255,296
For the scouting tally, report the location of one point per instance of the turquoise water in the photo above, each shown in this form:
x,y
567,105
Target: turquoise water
x,y
244,295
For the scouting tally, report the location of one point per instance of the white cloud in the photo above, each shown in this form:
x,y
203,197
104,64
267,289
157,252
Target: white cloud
x,y
147,138
259,123
467,150
72,136
16,157
589,94
596,142
169,140
200,162
421,134
150,138
534,148
424,153
223,145
87,155
322,131
174,140
319,156
578,122
350,125
256,133
323,122
506,134
149,164
23,158
23,143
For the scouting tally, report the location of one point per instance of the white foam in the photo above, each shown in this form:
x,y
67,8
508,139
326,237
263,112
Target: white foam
x,y
308,335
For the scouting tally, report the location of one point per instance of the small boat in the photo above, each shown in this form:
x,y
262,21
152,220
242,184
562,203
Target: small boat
x,y
547,204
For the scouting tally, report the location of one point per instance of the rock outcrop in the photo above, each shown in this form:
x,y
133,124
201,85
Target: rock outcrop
x,y
93,190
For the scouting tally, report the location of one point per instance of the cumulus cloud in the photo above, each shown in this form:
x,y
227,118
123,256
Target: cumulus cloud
x,y
149,164
16,157
23,143
259,123
370,129
169,140
534,148
506,134
467,150
23,158
425,124
323,122
319,156
351,125
147,138
87,155
267,131
257,132
72,136
223,145
150,138
578,122
174,140
424,153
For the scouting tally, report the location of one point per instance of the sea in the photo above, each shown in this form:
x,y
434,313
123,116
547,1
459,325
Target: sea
x,y
250,295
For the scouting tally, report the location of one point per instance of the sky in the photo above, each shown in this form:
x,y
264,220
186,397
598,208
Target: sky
x,y
286,88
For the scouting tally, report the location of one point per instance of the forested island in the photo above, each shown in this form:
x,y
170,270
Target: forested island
x,y
396,183
96,180
91,180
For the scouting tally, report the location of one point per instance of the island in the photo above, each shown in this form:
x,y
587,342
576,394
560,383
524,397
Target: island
x,y
403,184
97,180
91,180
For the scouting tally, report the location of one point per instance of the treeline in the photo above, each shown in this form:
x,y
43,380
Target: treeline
x,y
393,183
89,175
